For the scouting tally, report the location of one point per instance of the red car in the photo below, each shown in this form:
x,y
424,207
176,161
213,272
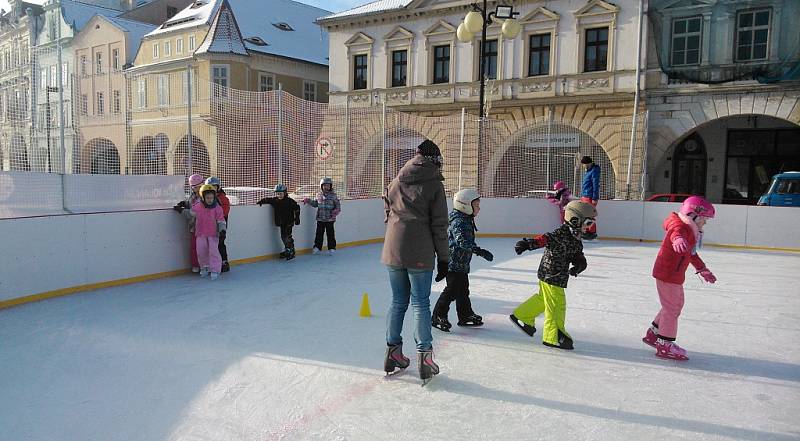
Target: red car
x,y
670,197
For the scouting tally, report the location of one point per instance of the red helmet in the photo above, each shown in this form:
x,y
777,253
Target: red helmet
x,y
695,206
558,185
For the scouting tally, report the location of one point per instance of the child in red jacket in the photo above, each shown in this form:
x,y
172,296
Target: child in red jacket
x,y
678,250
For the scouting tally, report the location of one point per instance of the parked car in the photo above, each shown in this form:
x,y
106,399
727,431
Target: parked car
x,y
783,192
668,197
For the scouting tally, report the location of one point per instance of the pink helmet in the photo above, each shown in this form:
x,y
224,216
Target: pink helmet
x,y
195,179
695,206
558,185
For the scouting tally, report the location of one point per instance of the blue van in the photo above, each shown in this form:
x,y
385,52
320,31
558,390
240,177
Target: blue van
x,y
783,192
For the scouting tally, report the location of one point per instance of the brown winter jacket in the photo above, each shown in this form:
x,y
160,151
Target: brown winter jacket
x,y
416,217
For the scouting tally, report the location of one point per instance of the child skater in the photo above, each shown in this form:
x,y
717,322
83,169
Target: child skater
x,y
684,234
563,247
223,200
560,197
209,227
287,215
328,207
461,239
195,181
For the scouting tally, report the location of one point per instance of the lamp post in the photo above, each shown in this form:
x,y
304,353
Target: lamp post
x,y
479,19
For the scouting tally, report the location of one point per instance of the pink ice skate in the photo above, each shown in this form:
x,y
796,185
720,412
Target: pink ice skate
x,y
670,350
650,337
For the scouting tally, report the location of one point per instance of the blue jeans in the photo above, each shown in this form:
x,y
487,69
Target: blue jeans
x,y
414,286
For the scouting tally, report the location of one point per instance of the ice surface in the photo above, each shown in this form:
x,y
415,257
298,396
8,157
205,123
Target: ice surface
x,y
276,350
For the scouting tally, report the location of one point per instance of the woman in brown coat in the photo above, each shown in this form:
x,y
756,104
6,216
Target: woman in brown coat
x,y
416,237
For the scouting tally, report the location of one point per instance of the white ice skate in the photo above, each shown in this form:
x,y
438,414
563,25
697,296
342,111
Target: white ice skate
x,y
204,271
214,276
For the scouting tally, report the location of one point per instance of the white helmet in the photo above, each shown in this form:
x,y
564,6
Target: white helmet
x,y
326,180
576,213
462,201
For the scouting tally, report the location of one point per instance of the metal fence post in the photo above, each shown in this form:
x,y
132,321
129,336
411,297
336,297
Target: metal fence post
x,y
549,144
383,152
189,164
280,133
461,148
346,141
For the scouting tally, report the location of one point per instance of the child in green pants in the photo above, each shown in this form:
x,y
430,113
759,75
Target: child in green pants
x,y
563,247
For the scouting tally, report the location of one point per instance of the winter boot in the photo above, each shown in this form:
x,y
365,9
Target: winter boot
x,y
524,327
564,342
214,276
471,321
441,323
204,271
427,367
226,266
650,337
395,359
669,350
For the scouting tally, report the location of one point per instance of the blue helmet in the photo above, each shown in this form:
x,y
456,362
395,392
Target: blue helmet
x,y
280,188
214,181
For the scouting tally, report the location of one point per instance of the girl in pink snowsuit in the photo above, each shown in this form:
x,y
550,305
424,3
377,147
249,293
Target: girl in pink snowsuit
x,y
560,197
684,233
209,227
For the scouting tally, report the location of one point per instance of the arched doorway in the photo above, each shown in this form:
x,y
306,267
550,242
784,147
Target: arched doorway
x,y
537,156
149,156
19,154
104,157
689,167
200,160
400,146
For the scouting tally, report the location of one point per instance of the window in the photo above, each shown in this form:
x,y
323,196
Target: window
x,y
266,82
309,91
752,35
100,103
65,74
441,64
191,42
179,46
155,50
53,76
490,63
141,92
788,186
360,72
117,105
686,41
219,76
84,104
98,61
399,68
43,81
83,65
595,57
539,55
184,87
171,11
115,59
163,90
167,48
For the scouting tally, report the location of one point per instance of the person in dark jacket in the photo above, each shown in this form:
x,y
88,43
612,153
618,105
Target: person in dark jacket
x,y
590,190
416,237
563,248
287,215
461,241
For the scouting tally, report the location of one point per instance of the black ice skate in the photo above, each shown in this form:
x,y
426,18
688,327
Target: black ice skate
x,y
564,342
226,266
290,254
524,327
395,359
427,367
441,323
284,253
471,321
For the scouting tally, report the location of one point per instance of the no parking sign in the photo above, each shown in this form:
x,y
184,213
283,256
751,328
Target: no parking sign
x,y
323,148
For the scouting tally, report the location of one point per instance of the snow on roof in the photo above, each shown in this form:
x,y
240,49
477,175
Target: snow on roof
x,y
136,31
370,8
77,14
305,41
224,34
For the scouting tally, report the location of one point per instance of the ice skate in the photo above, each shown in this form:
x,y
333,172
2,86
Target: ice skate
x,y
471,321
669,350
226,266
214,276
441,323
284,253
204,271
290,254
650,337
524,327
564,342
195,269
395,359
332,252
315,251
427,367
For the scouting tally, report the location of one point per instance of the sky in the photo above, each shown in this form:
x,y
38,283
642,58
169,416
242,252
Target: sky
x,y
330,5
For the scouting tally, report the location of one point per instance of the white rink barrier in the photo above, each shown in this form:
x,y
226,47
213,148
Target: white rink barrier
x,y
51,256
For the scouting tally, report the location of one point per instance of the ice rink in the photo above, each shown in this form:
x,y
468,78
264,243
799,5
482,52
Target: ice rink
x,y
277,351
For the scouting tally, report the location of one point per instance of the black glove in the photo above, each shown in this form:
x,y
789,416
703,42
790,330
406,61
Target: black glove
x,y
441,272
223,234
578,265
180,206
523,245
262,202
486,254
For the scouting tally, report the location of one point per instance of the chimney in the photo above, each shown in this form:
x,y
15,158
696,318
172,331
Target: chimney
x,y
127,5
